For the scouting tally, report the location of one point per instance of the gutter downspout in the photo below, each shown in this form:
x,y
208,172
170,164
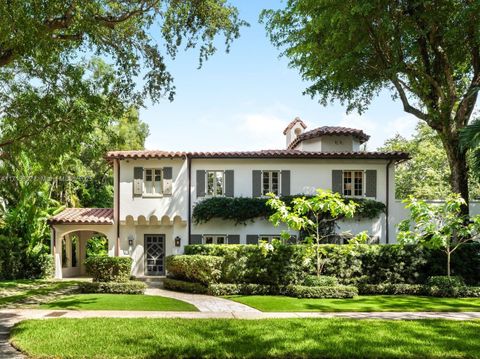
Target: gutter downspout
x,y
189,174
387,203
117,208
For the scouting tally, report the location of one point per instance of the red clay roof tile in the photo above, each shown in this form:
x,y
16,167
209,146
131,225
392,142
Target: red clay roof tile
x,y
83,216
330,131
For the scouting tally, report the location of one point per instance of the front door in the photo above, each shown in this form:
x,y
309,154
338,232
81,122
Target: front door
x,y
154,254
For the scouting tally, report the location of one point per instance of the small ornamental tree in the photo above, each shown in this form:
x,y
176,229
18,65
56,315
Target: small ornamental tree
x,y
438,226
311,215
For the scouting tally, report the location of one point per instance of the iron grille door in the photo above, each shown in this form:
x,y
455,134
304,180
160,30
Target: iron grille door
x,y
154,254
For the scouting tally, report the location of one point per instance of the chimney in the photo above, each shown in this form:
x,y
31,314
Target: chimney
x,y
293,130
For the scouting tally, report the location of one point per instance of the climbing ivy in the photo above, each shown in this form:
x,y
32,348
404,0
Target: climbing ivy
x,y
244,209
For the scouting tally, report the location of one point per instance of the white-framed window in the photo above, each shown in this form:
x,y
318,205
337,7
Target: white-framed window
x,y
353,183
270,182
268,237
152,181
215,183
214,239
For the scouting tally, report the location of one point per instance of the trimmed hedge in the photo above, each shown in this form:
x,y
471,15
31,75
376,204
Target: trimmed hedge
x,y
195,268
391,289
321,281
183,286
221,289
130,287
109,269
419,289
350,264
337,291
445,281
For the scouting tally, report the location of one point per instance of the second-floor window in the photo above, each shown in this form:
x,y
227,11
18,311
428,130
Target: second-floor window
x,y
353,183
270,182
215,183
152,181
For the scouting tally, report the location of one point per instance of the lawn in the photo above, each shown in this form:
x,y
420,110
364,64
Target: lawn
x,y
373,303
118,302
167,338
17,291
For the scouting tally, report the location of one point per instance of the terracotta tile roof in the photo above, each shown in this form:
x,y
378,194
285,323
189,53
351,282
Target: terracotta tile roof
x,y
293,123
83,216
395,155
330,131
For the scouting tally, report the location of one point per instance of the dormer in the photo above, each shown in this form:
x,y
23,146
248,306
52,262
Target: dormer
x,y
293,130
324,139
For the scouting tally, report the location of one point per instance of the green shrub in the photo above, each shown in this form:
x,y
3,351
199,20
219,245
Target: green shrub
x,y
221,289
109,269
392,288
195,268
338,291
130,287
321,281
445,281
183,286
18,261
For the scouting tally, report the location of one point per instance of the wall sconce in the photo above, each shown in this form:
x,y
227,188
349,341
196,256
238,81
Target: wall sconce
x,y
130,240
178,241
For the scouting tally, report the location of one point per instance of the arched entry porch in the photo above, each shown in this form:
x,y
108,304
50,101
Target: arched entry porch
x,y
71,231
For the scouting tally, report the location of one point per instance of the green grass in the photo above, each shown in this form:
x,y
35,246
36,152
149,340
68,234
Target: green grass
x,y
15,291
217,338
118,302
373,303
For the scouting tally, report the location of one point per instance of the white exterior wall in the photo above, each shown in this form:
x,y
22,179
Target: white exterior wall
x,y
306,175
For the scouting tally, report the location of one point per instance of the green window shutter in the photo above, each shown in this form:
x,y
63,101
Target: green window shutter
x,y
200,183
285,191
256,183
167,173
137,181
337,178
252,239
195,239
229,188
233,239
371,183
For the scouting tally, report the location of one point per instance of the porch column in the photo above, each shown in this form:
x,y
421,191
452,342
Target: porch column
x,y
57,253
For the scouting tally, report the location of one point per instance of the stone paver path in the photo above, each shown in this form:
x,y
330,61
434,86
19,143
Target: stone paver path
x,y
7,321
204,303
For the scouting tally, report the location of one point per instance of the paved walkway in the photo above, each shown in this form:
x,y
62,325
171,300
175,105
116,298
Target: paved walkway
x,y
204,303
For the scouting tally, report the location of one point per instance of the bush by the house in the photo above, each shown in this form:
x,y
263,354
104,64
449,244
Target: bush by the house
x,y
392,289
195,268
220,289
350,264
109,269
337,291
17,261
445,281
183,286
320,281
130,287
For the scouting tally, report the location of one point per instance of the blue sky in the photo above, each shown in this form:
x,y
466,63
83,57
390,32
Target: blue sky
x,y
242,100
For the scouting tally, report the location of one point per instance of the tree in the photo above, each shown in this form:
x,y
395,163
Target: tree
x,y
426,174
310,215
427,52
438,226
46,49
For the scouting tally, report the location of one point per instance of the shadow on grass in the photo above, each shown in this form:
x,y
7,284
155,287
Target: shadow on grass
x,y
277,338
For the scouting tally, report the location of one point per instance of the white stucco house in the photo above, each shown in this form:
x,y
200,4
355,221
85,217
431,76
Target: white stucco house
x,y
155,193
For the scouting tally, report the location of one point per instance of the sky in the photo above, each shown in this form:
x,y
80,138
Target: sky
x,y
242,100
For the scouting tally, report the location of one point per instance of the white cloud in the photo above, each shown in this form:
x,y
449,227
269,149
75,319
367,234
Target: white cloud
x,y
262,131
380,131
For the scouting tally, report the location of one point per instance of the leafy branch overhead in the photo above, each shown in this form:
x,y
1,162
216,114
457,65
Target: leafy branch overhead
x,y
426,52
51,54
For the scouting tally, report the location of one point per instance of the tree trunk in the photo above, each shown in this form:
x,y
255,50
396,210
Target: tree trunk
x,y
457,160
448,264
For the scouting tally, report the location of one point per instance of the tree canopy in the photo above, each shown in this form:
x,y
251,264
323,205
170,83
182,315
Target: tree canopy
x,y
426,52
52,78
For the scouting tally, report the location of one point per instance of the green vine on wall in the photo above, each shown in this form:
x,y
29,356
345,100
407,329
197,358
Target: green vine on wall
x,y
244,209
